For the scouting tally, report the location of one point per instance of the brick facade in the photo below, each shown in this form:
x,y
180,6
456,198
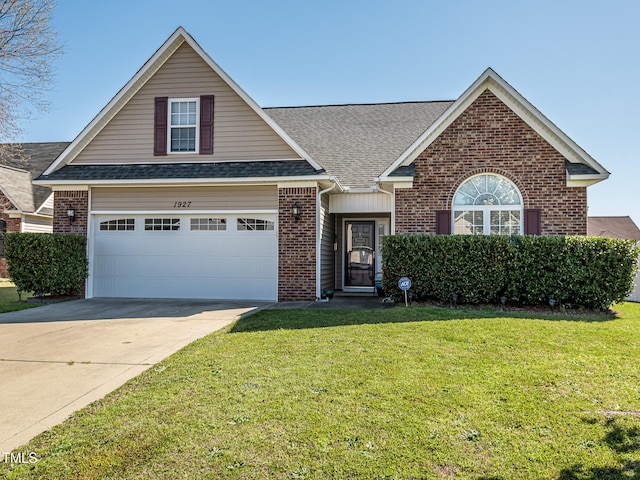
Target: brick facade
x,y
296,245
79,200
489,137
13,225
62,200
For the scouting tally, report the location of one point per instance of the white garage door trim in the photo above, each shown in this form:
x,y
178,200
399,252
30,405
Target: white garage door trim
x,y
235,260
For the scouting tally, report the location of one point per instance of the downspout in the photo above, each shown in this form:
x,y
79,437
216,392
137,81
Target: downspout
x,y
393,204
318,238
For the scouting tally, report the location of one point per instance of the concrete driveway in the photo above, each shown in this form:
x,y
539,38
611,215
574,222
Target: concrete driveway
x,y
58,358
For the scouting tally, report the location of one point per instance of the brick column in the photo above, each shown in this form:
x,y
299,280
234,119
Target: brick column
x,y
79,200
297,244
62,200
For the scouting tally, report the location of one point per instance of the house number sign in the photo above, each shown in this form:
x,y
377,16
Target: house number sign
x,y
183,204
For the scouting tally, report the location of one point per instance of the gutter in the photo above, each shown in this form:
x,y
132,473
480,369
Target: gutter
x,y
319,239
378,188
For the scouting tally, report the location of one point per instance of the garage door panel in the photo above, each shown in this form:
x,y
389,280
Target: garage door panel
x,y
184,264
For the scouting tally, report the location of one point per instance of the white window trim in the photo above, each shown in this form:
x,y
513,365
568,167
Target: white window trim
x,y
486,216
487,209
170,127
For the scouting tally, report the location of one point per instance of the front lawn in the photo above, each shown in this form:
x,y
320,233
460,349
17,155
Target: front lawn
x,y
9,297
404,393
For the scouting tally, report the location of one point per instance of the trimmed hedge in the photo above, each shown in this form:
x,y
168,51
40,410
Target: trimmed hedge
x,y
47,263
583,272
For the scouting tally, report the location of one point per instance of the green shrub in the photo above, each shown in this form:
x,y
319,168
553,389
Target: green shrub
x,y
585,272
55,264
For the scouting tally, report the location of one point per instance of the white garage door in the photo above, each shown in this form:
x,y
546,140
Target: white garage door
x,y
185,256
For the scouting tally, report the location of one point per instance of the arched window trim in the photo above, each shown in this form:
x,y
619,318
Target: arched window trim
x,y
465,220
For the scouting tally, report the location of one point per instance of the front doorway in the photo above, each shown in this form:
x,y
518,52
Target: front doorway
x,y
360,254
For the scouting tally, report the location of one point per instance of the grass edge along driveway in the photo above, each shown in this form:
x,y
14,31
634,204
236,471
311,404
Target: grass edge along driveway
x,y
9,297
381,394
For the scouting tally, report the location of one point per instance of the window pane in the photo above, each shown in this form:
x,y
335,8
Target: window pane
x,y
468,222
208,224
119,224
183,139
162,224
254,224
487,189
183,113
505,222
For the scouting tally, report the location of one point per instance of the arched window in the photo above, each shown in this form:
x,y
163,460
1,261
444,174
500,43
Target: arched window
x,y
487,204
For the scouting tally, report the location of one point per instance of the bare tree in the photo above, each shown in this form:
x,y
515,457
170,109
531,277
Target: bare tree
x,y
28,48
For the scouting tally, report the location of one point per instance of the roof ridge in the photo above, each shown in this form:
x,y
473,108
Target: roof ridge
x,y
10,167
360,104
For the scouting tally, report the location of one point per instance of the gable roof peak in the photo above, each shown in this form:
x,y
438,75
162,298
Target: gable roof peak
x,y
126,93
490,80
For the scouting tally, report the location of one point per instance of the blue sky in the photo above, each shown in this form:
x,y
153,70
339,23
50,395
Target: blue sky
x,y
578,62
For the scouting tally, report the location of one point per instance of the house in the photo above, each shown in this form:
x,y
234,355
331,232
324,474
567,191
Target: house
x,y
185,187
25,207
617,227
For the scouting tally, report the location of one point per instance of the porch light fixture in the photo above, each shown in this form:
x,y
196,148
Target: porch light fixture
x,y
295,211
71,214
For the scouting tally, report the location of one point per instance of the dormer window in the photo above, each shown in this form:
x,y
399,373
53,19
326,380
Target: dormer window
x,y
183,125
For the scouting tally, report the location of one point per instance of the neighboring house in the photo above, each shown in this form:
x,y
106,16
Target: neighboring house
x,y
617,227
25,207
185,187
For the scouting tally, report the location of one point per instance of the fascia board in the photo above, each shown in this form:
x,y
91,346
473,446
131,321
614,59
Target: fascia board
x,y
431,133
38,215
42,205
60,184
250,101
183,212
526,111
584,180
393,179
542,125
141,77
118,101
13,202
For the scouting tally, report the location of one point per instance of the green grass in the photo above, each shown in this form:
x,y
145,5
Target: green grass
x,y
404,393
9,298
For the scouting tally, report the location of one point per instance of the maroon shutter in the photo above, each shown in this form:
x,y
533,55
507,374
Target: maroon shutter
x,y
443,222
160,126
206,125
532,221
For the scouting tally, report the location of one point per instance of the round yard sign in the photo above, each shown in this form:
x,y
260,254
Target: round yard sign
x,y
404,283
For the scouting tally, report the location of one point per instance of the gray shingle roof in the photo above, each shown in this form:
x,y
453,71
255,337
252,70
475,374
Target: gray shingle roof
x,y
183,170
17,185
356,143
16,173
579,169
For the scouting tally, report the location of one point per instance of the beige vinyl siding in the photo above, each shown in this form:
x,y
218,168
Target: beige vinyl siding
x,y
130,199
239,133
339,281
327,237
32,224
